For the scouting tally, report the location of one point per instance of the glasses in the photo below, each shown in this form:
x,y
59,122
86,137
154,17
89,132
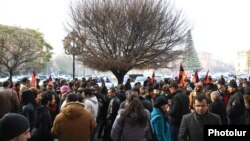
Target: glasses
x,y
202,106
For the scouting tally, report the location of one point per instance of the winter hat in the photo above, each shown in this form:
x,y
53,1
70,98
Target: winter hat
x,y
233,84
160,101
13,125
64,89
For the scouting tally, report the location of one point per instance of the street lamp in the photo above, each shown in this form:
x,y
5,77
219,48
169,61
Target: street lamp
x,y
72,46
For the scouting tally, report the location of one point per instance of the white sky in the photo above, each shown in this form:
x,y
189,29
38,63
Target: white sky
x,y
220,27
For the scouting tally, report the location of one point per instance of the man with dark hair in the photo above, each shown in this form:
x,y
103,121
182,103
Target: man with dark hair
x,y
179,107
235,106
9,101
112,112
24,84
192,124
44,122
128,85
121,93
90,101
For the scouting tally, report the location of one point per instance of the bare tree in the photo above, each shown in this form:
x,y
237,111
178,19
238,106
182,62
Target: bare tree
x,y
119,35
22,49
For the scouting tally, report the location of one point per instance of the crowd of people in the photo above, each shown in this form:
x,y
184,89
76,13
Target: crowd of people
x,y
82,110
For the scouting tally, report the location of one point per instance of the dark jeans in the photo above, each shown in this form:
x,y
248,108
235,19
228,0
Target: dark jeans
x,y
107,130
175,131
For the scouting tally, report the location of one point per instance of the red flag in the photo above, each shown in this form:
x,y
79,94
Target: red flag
x,y
153,80
182,75
207,78
50,82
33,79
196,77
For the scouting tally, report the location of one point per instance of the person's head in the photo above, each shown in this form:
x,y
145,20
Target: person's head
x,y
17,85
129,80
34,91
200,104
220,84
87,93
142,91
14,127
173,87
198,87
6,84
131,92
120,87
72,85
46,98
80,93
72,98
24,81
150,91
232,86
215,95
135,106
245,84
64,89
156,92
111,92
161,103
132,96
27,97
165,88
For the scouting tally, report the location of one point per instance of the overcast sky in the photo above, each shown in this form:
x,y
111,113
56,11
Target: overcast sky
x,y
220,27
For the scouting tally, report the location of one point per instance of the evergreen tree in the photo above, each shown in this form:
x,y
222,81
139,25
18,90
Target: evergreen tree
x,y
190,59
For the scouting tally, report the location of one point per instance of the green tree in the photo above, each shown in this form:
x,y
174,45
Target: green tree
x,y
22,49
190,58
120,35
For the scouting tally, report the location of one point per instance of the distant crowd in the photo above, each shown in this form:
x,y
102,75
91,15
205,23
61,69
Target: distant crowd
x,y
81,110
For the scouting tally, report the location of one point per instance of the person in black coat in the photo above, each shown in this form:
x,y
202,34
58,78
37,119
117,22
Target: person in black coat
x,y
112,112
192,124
235,107
179,107
43,121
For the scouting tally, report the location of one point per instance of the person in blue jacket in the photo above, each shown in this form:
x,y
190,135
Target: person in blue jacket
x,y
159,120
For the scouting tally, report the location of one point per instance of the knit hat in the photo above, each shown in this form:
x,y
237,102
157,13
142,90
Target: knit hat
x,y
64,89
160,101
13,125
233,84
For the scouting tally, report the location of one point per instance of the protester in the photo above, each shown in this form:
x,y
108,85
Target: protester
x,y
178,108
14,127
111,113
74,122
43,123
235,106
159,120
192,124
133,118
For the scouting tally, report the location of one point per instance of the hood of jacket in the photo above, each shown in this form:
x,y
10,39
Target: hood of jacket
x,y
73,110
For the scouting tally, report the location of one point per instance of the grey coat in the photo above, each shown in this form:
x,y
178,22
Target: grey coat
x,y
192,126
130,131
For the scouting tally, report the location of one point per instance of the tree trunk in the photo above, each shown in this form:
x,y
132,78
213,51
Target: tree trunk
x,y
10,77
119,74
